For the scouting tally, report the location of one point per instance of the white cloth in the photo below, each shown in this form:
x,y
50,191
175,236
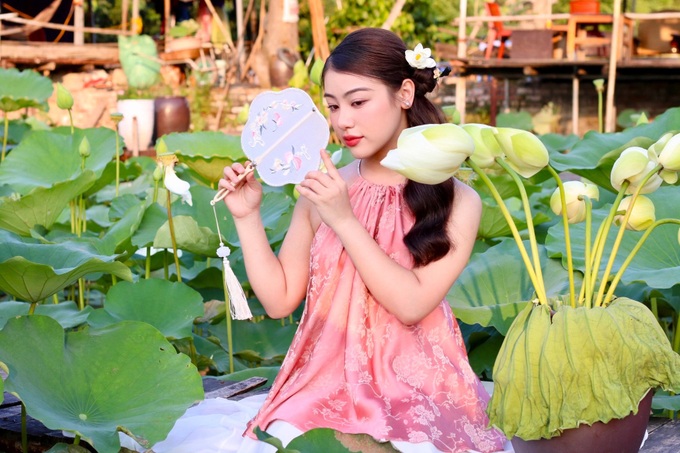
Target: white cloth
x,y
216,425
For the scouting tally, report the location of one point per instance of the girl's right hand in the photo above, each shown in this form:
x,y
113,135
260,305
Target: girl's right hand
x,y
245,195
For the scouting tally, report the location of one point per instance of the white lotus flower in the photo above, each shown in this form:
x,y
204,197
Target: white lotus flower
x,y
419,57
642,216
486,145
431,153
524,152
176,185
669,156
576,208
633,165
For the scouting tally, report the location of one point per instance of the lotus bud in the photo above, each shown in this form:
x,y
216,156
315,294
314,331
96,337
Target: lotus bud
x,y
524,152
176,185
64,98
158,173
431,153
486,145
315,72
161,148
576,207
669,156
633,165
642,215
84,148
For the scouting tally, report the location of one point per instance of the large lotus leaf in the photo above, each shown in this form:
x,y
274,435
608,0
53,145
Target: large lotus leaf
x,y
66,313
32,272
256,341
42,206
169,307
586,157
580,365
268,372
328,441
96,382
139,58
188,236
123,229
657,264
207,153
16,129
215,355
495,285
154,217
20,89
558,142
45,158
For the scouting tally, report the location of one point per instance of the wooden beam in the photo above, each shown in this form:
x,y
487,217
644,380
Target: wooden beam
x,y
100,31
461,87
79,23
319,37
512,18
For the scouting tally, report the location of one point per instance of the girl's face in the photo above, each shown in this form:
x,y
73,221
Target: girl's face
x,y
365,113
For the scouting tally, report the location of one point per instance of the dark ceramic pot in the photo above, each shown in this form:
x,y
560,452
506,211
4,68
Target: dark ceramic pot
x,y
622,435
172,115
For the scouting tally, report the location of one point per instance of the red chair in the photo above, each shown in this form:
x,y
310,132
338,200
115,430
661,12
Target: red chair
x,y
496,31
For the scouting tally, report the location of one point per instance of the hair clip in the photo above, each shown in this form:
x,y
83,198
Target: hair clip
x,y
439,73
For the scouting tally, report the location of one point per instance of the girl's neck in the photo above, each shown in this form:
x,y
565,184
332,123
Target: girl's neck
x,y
371,170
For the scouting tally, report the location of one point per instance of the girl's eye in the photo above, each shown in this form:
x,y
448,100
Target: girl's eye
x,y
358,103
332,108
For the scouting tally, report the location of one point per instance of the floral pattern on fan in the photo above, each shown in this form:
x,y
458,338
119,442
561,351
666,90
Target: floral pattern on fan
x,y
284,134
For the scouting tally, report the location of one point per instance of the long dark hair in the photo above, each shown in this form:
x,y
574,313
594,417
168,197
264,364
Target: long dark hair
x,y
380,54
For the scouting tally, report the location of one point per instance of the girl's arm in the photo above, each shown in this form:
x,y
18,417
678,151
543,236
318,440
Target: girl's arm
x,y
278,282
409,294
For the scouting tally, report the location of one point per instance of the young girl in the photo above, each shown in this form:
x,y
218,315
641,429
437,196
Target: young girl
x,y
373,255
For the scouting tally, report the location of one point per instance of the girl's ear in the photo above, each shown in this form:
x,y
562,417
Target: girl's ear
x,y
406,93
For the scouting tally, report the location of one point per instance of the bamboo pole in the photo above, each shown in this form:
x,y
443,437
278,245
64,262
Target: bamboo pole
x,y
575,93
319,37
166,21
610,115
124,15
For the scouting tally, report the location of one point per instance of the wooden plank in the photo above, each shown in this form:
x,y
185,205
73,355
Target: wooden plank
x,y
230,389
664,436
61,53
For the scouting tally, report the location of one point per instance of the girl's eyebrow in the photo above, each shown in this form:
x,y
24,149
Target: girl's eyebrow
x,y
349,93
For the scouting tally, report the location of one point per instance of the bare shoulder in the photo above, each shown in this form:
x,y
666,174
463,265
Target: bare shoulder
x,y
466,198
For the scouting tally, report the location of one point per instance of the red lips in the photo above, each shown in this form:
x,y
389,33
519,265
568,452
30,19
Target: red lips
x,y
351,140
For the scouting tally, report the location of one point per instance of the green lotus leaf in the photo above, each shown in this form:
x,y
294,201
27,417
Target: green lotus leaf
x,y
657,264
328,441
206,153
96,382
45,158
171,307
216,356
154,217
66,313
188,236
256,341
21,89
32,271
16,130
554,372
42,206
121,231
268,372
494,287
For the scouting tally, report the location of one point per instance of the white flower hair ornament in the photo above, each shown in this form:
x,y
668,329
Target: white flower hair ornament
x,y
420,57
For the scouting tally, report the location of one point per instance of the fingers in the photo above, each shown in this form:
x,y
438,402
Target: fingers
x,y
328,163
234,174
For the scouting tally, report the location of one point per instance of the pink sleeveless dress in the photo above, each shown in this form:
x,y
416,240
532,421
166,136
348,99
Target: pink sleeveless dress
x,y
355,368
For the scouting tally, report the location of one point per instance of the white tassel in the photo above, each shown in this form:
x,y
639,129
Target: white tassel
x,y
237,298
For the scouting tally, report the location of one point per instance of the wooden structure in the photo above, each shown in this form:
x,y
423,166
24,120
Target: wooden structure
x,y
570,29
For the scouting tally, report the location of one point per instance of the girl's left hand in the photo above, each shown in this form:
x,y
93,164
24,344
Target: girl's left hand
x,y
328,193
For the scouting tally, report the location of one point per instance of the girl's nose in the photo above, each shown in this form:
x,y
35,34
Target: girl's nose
x,y
344,118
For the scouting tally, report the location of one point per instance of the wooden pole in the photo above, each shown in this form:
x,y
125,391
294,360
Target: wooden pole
x,y
461,87
100,31
575,88
319,37
166,21
610,116
79,23
124,15
135,17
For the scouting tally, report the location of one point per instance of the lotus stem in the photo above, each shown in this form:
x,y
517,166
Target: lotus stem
x,y
530,226
147,264
631,255
619,237
24,429
4,137
117,162
567,236
587,283
676,335
600,121
513,228
70,118
172,238
81,293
